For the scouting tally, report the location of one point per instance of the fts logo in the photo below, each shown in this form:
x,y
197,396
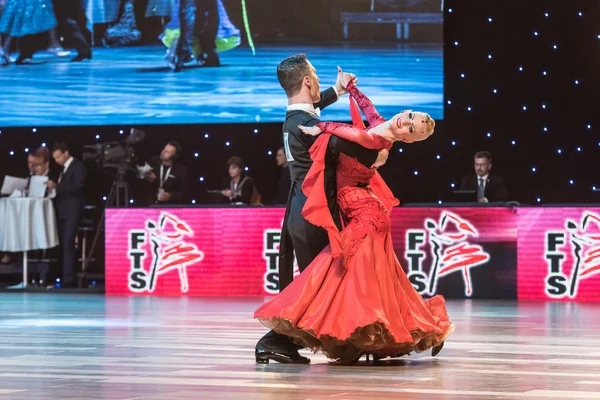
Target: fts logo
x,y
169,252
272,238
450,251
584,243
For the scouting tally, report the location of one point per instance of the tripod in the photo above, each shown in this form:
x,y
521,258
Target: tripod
x,y
117,197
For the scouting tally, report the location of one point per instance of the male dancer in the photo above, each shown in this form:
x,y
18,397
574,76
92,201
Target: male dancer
x,y
201,16
299,79
71,23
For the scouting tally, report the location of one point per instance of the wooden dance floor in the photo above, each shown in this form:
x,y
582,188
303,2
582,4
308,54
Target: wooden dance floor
x,y
77,346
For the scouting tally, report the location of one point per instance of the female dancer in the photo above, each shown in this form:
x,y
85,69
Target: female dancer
x,y
27,17
354,298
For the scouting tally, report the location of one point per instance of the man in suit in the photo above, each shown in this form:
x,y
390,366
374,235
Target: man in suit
x,y
299,80
284,182
168,176
69,202
489,188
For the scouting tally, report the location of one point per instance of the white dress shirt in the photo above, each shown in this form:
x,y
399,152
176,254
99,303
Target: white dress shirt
x,y
485,178
65,168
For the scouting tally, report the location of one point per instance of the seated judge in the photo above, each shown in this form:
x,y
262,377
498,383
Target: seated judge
x,y
241,187
38,163
168,176
31,164
489,187
42,167
31,161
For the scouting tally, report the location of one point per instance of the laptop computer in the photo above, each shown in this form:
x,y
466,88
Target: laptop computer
x,y
465,196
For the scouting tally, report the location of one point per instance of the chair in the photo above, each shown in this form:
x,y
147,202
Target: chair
x,y
86,227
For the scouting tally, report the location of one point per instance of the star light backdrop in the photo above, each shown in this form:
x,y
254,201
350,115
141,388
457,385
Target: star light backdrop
x,y
521,81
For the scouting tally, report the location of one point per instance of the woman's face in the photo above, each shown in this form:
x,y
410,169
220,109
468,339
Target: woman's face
x,y
234,171
40,167
411,126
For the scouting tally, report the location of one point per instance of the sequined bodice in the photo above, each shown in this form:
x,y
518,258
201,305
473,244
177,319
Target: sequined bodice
x,y
352,173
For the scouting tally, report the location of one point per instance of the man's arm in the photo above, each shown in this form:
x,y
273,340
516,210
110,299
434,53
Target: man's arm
x,y
364,156
151,176
328,97
331,95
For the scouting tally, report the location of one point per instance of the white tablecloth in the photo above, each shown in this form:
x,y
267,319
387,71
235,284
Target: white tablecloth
x,y
27,224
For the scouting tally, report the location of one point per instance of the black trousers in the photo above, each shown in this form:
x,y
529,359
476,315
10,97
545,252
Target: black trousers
x,y
71,23
308,240
67,230
200,18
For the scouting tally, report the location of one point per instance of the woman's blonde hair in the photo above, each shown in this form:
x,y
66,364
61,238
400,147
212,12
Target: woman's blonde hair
x,y
430,123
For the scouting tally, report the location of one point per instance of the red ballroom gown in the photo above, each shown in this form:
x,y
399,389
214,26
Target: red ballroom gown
x,y
355,291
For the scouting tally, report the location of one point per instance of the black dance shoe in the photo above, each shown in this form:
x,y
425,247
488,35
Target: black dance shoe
x,y
83,55
376,356
436,349
212,59
176,63
285,357
23,57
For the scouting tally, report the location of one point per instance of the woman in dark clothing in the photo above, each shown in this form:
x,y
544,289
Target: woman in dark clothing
x,y
241,187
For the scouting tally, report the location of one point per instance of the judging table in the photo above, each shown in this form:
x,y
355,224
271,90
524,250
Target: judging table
x,y
27,224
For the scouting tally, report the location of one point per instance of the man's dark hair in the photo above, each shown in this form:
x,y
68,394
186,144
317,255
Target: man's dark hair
x,y
237,161
291,72
60,146
484,154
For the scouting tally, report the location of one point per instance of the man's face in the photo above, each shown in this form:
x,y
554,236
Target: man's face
x,y
40,167
168,153
482,166
60,157
31,164
312,81
281,160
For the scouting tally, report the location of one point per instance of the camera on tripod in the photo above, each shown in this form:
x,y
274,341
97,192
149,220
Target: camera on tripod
x,y
119,156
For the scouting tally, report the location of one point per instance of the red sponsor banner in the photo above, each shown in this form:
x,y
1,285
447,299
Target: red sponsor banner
x,y
462,252
559,254
191,251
